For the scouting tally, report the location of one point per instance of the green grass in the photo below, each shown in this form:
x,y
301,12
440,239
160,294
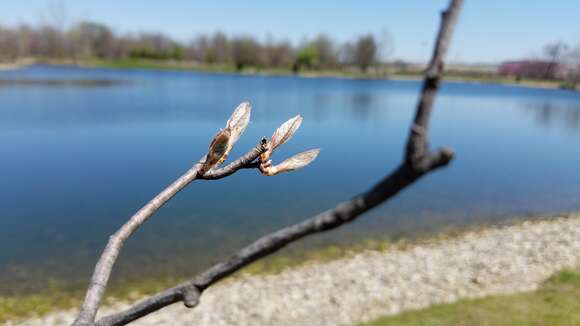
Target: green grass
x,y
220,68
17,307
157,64
14,308
54,298
557,302
130,63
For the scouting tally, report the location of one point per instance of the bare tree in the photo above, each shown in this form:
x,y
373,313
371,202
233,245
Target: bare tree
x,y
50,42
219,49
417,161
91,39
197,48
279,54
9,44
573,61
327,54
365,52
553,52
246,52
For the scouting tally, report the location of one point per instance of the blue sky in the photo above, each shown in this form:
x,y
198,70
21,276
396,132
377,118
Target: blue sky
x,y
488,31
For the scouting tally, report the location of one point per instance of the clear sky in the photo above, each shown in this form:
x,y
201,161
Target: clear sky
x,y
488,30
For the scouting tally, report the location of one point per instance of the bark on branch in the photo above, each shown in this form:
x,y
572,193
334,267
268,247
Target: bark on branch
x,y
417,161
105,264
247,161
189,292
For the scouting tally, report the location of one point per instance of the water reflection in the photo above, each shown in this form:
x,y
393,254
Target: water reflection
x,y
361,105
555,114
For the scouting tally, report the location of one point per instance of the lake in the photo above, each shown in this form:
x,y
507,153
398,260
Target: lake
x,y
83,149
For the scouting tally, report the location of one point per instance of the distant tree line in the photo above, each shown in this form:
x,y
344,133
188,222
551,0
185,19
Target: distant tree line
x,y
558,61
564,62
90,40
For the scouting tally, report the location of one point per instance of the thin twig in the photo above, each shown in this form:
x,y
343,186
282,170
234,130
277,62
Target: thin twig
x,y
417,162
105,264
248,160
417,141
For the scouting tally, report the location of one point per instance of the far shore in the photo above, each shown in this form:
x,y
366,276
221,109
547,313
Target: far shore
x,y
378,73
17,64
349,285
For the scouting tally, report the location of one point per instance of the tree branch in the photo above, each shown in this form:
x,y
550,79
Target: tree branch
x,y
417,162
105,264
341,214
244,162
417,146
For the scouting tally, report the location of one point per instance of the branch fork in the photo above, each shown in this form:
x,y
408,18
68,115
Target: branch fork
x,y
417,161
208,168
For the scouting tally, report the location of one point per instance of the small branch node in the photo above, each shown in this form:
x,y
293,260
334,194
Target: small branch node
x,y
418,130
191,296
440,158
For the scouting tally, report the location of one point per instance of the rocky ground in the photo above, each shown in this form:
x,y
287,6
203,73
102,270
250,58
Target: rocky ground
x,y
370,284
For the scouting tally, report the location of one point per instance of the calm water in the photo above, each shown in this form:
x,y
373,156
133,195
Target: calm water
x,y
78,158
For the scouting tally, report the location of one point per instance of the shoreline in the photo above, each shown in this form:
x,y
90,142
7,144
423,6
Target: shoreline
x,y
17,64
340,74
275,72
371,283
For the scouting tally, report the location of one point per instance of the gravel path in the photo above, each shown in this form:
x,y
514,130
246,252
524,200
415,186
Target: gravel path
x,y
370,284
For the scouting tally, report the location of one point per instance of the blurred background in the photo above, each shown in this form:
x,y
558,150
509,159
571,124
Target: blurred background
x,y
103,104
